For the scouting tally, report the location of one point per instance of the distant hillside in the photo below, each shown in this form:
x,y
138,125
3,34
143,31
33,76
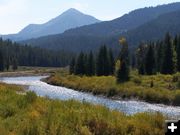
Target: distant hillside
x,y
126,22
92,36
72,18
155,29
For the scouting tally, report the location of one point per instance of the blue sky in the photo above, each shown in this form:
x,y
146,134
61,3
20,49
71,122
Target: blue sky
x,y
16,14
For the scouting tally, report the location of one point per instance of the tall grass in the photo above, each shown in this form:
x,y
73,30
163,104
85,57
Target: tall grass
x,y
156,89
42,116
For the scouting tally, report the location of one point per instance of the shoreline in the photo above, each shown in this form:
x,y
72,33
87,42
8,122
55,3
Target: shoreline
x,y
106,94
23,73
115,98
29,71
50,75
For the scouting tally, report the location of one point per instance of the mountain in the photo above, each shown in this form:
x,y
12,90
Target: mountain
x,y
92,36
71,18
126,22
155,29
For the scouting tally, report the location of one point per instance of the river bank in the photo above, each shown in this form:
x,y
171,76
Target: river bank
x,y
129,107
25,114
163,89
30,71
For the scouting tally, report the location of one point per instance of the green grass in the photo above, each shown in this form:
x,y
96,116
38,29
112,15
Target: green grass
x,y
156,89
31,115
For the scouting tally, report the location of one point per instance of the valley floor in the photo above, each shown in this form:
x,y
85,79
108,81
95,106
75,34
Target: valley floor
x,y
27,114
154,89
29,71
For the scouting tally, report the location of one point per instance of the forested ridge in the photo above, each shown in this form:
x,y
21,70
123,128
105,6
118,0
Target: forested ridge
x,y
162,56
151,24
14,54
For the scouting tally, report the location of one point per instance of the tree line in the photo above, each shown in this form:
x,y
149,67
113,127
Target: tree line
x,y
103,63
92,64
162,56
159,57
13,55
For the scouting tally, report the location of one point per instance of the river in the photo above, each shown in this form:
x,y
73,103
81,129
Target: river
x,y
35,84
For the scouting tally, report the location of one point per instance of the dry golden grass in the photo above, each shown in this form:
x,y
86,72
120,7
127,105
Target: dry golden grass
x,y
157,88
32,115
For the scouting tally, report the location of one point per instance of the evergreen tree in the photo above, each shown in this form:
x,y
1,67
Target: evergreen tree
x,y
150,61
124,53
178,54
133,61
102,62
1,61
14,64
85,64
80,65
111,62
159,56
141,51
91,65
123,72
175,42
72,66
169,61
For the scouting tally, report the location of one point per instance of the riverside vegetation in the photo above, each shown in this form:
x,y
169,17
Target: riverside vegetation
x,y
27,114
155,88
153,76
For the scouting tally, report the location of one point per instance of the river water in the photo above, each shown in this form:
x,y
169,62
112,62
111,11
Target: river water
x,y
55,92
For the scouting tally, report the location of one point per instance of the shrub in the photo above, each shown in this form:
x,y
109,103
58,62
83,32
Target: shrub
x,y
177,99
178,85
30,97
6,111
137,80
22,103
152,84
111,92
175,78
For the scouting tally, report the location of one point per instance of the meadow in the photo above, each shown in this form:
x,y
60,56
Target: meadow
x,y
24,113
154,89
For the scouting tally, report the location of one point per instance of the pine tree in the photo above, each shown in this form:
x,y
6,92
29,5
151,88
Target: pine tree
x,y
150,61
85,64
178,54
111,62
14,64
175,42
159,56
72,66
123,72
169,60
80,66
124,53
1,61
133,61
91,65
102,62
141,51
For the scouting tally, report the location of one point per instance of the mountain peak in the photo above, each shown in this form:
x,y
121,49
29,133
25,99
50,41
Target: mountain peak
x,y
71,18
72,11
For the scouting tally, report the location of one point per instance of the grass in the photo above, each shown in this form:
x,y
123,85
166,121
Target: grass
x,y
29,71
28,114
155,89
